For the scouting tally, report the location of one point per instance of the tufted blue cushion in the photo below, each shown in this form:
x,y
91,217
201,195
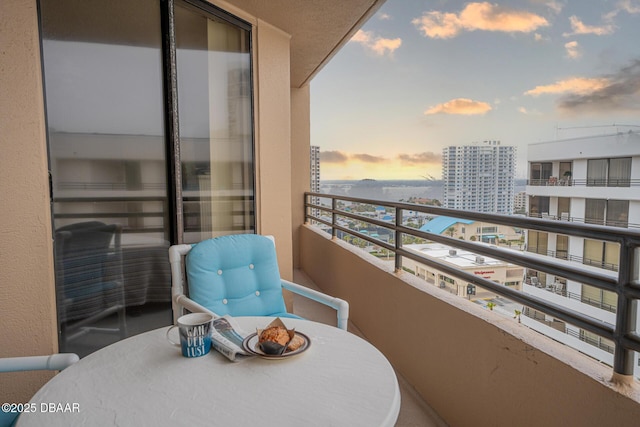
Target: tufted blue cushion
x,y
236,275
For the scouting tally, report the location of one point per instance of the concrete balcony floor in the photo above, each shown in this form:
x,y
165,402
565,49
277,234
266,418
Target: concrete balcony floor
x,y
414,411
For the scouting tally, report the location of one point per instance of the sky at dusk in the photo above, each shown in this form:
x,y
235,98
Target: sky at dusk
x,y
423,75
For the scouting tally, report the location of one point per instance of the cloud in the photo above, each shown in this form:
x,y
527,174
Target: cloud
x,y
577,85
384,17
523,110
340,157
554,6
411,159
580,28
368,158
573,51
608,25
620,92
478,16
461,106
420,158
629,6
333,157
377,45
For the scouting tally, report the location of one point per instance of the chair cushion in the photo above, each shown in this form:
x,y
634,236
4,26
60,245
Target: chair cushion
x,y
8,419
236,275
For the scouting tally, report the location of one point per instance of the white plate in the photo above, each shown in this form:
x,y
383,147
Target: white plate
x,y
250,345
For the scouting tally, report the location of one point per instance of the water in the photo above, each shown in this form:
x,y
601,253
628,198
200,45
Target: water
x,y
392,190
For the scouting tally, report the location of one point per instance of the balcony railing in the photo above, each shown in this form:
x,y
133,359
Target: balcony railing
x,y
589,182
599,221
332,212
578,297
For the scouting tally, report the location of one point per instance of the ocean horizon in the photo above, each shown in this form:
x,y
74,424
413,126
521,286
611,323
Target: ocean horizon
x,y
392,190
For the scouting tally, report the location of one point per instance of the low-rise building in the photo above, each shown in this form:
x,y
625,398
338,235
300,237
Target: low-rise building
x,y
472,230
505,273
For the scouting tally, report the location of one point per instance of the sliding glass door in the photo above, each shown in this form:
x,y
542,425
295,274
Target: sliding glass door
x,y
144,152
214,99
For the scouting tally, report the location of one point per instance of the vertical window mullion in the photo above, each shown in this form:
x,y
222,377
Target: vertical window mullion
x,y
174,170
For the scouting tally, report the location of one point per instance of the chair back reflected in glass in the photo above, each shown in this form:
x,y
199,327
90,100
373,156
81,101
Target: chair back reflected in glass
x,y
89,279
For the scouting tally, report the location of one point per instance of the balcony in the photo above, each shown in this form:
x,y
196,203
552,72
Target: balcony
x,y
469,363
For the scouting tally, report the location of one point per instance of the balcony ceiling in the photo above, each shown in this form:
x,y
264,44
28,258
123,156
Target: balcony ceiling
x,y
318,28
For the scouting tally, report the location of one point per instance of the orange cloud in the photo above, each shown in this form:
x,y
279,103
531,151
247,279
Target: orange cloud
x,y
333,157
478,16
420,158
345,165
579,27
340,157
619,91
579,85
368,158
377,45
461,106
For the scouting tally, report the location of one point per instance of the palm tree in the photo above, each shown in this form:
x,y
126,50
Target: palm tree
x,y
451,230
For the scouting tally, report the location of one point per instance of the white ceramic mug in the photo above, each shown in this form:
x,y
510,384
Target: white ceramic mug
x,y
195,334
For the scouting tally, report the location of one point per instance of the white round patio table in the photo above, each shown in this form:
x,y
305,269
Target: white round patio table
x,y
340,380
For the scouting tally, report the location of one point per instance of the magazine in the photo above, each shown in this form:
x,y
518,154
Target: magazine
x,y
227,338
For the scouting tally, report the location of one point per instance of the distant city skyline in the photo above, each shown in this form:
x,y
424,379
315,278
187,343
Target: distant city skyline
x,y
420,76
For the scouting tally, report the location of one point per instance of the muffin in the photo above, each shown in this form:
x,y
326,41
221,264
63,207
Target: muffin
x,y
276,334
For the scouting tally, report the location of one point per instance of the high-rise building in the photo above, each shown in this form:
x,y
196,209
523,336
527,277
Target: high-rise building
x,y
479,177
592,180
520,202
315,168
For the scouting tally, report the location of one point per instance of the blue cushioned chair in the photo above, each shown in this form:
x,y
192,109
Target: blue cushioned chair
x,y
237,275
53,362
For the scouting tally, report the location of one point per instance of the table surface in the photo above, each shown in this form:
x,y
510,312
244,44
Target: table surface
x,y
341,380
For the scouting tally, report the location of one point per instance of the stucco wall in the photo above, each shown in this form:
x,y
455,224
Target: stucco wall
x,y
473,366
300,161
27,298
273,140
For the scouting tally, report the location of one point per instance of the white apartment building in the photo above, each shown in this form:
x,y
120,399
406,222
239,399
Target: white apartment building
x,y
479,177
594,180
520,202
315,168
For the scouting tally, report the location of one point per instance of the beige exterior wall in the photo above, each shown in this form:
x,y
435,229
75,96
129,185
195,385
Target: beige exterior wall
x,y
27,295
300,161
273,140
473,366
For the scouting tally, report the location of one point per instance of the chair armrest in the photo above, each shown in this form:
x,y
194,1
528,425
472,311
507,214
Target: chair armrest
x,y
340,305
185,302
53,362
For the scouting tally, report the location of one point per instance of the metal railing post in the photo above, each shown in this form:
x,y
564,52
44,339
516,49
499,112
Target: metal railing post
x,y
334,205
398,242
626,314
